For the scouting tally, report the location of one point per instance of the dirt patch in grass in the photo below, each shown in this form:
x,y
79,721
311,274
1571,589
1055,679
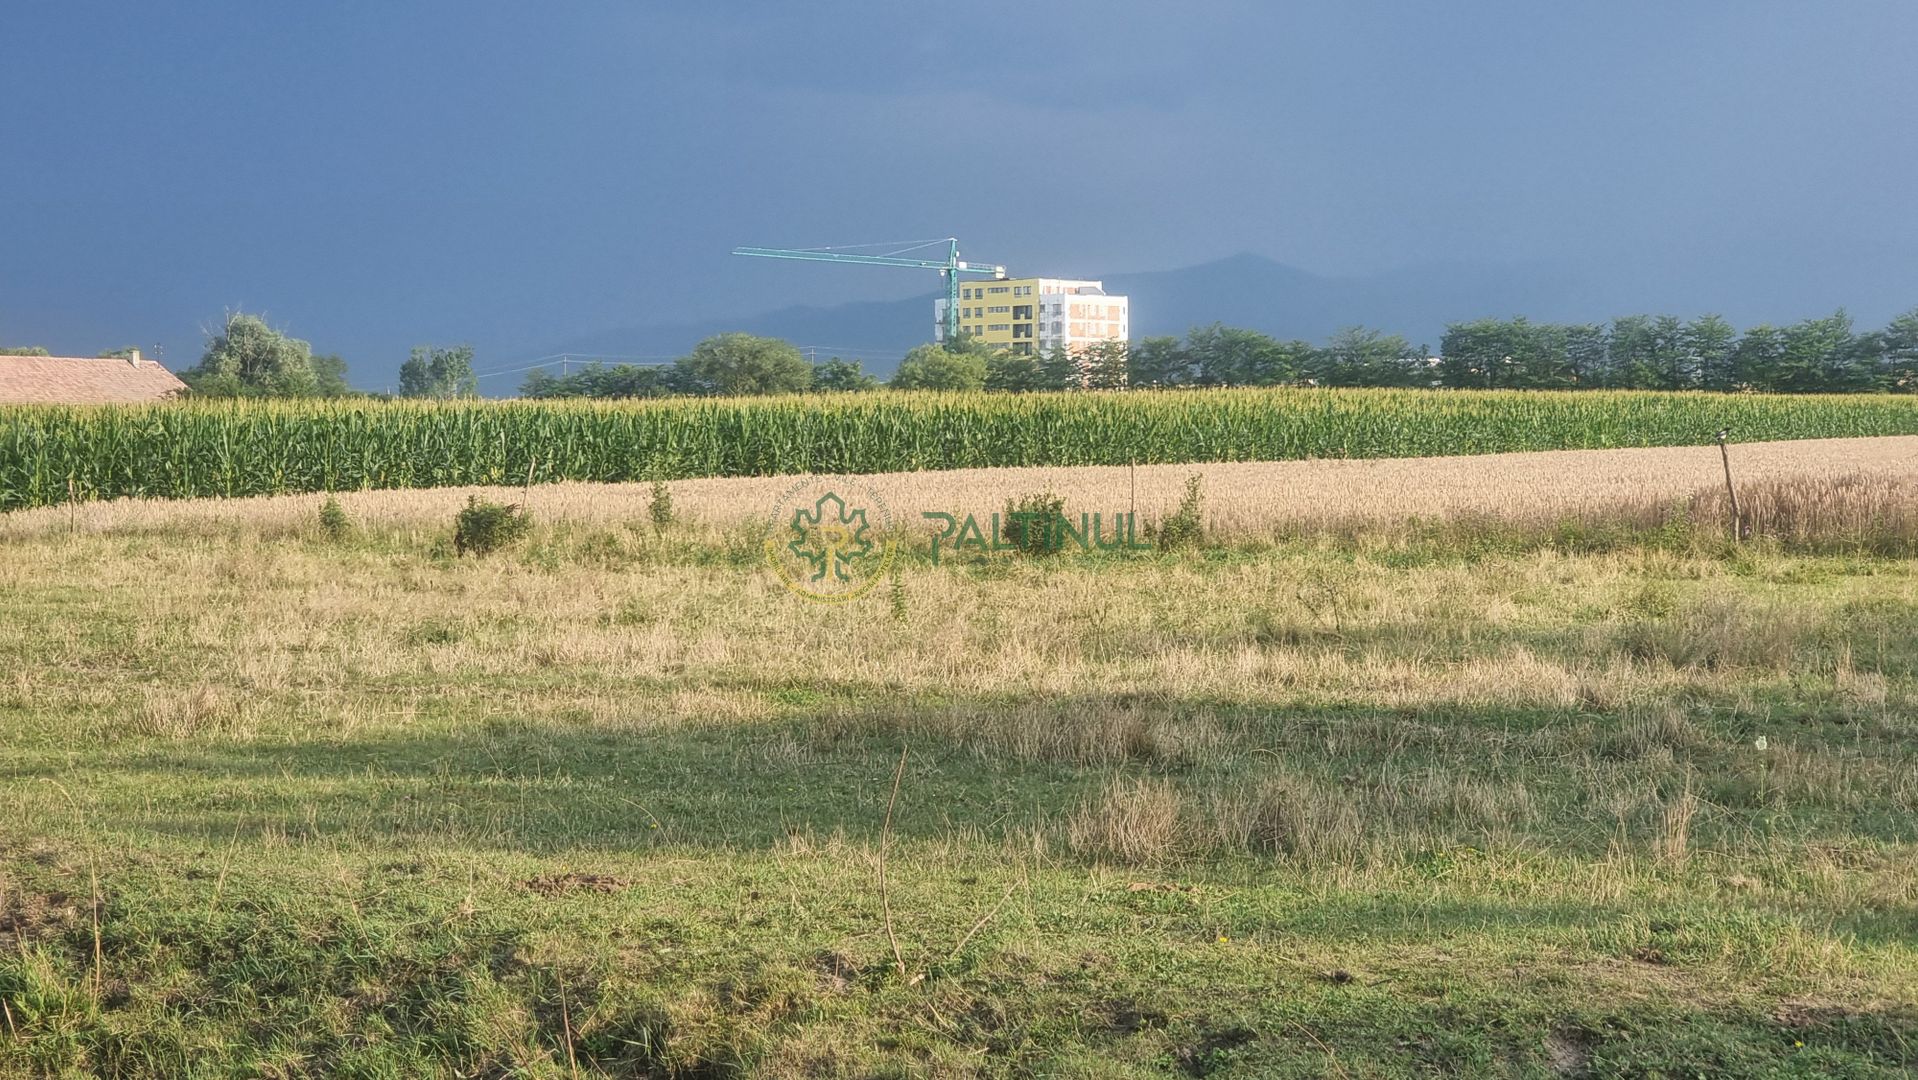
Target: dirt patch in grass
x,y
1888,1030
27,917
1568,1052
1132,1017
559,884
837,973
1213,1050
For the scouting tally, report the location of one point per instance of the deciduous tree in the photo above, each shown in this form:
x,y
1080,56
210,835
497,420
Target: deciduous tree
x,y
249,358
742,365
936,367
442,372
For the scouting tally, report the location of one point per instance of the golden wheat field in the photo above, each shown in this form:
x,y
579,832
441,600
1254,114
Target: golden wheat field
x,y
1245,499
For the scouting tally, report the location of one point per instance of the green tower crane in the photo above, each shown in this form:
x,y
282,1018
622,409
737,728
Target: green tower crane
x,y
950,268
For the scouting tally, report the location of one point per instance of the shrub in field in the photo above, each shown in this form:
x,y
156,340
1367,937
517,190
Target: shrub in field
x,y
660,509
1185,526
484,527
897,594
1032,524
334,524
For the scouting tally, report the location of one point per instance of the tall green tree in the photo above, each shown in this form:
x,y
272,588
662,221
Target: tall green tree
x,y
1062,368
1470,353
1015,373
1647,352
1106,365
742,365
249,358
1359,357
1228,356
1822,356
937,367
442,372
1709,342
1894,353
329,376
1585,354
836,376
1506,353
1757,359
1158,361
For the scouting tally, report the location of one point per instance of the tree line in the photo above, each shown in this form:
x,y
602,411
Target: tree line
x,y
246,357
1639,352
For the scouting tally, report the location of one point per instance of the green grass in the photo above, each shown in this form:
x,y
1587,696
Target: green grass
x,y
351,808
48,455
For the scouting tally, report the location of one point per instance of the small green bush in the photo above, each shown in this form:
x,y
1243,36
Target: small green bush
x,y
485,527
1033,524
897,594
661,508
1185,526
334,524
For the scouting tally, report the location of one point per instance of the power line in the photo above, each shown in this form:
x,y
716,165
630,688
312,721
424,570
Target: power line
x,y
564,357
853,352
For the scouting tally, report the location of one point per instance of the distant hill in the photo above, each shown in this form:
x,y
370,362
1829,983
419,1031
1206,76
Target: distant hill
x,y
1244,290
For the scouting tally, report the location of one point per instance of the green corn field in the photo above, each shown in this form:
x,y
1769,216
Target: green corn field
x,y
194,449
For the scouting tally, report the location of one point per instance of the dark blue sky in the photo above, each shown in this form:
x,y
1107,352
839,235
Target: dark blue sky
x,y
379,174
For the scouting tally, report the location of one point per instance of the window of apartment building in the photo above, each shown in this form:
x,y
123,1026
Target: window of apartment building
x,y
1022,330
1022,311
999,327
1000,310
997,289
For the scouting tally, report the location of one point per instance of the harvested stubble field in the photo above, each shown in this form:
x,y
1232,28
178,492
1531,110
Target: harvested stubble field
x,y
615,803
1246,500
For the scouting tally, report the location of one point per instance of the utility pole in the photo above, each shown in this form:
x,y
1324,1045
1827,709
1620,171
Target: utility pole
x,y
1730,491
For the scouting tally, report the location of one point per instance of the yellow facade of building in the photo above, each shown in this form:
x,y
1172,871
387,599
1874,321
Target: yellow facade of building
x,y
1037,314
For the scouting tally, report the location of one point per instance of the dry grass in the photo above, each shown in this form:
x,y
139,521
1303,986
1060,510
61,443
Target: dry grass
x,y
1675,827
1138,820
1413,773
1793,486
1862,509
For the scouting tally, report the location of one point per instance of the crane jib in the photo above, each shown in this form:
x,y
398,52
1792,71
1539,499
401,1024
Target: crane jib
x,y
950,268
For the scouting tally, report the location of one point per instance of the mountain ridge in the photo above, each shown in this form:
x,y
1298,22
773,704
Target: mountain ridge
x,y
1244,289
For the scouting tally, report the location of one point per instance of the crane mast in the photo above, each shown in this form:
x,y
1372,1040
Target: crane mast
x,y
950,267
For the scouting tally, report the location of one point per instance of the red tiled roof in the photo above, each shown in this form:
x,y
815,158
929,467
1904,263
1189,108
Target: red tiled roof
x,y
72,380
